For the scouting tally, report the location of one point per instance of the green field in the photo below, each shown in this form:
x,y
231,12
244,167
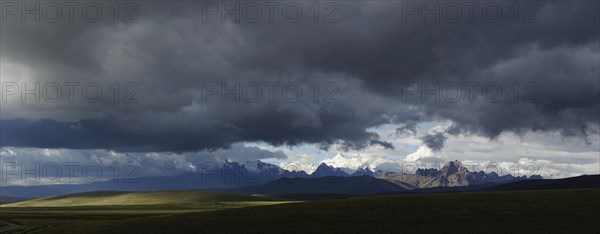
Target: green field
x,y
116,198
565,211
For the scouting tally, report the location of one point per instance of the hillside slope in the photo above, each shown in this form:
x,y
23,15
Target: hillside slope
x,y
360,185
120,198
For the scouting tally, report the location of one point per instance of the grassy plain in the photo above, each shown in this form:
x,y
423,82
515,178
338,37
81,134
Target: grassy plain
x,y
551,211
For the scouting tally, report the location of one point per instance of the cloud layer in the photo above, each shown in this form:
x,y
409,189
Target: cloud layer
x,y
379,64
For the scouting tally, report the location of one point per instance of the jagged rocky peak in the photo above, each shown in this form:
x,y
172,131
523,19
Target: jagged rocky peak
x,y
450,175
427,172
326,170
454,167
324,166
363,172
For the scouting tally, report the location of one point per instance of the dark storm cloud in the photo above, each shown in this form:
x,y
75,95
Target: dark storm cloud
x,y
370,54
435,141
193,131
410,128
384,144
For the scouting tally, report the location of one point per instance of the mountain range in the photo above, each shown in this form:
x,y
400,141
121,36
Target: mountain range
x,y
260,177
453,174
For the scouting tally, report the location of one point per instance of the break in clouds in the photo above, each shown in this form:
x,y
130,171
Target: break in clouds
x,y
371,67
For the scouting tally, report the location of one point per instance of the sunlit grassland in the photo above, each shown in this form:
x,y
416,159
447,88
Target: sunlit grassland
x,y
112,198
566,211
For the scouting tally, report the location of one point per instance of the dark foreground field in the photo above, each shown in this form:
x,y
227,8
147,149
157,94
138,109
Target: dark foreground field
x,y
564,211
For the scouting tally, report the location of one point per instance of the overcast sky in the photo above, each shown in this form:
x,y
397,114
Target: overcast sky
x,y
379,82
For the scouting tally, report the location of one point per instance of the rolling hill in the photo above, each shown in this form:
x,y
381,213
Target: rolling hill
x,y
358,185
7,200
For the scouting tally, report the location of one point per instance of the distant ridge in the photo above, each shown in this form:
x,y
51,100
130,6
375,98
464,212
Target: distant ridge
x,y
579,182
358,185
220,177
7,200
363,172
